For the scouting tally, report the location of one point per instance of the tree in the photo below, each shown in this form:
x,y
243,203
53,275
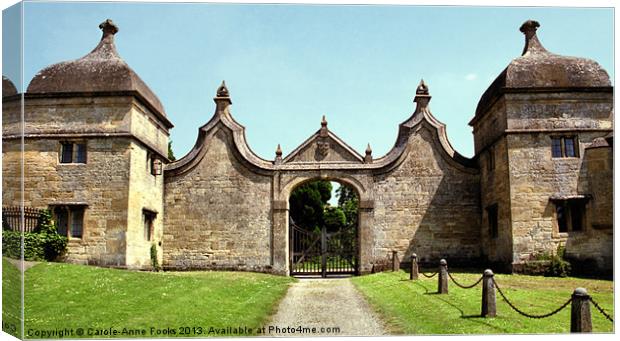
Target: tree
x,y
349,202
344,194
170,152
334,218
307,204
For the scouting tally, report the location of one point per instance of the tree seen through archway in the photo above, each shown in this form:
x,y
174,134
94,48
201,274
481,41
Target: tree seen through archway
x,y
310,206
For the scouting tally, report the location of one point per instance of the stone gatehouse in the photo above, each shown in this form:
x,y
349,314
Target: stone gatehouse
x,y
94,151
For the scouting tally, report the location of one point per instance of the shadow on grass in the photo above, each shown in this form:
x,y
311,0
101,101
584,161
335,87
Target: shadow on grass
x,y
471,317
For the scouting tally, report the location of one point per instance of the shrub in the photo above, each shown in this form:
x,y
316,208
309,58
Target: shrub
x,y
559,266
44,243
552,265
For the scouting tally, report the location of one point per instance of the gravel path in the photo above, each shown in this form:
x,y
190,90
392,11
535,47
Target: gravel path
x,y
324,304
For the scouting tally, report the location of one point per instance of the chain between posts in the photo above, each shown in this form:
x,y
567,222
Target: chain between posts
x,y
429,276
464,286
600,309
526,314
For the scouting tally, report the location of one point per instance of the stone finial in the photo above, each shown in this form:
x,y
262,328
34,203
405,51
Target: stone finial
x,y
278,155
368,157
529,28
222,91
422,96
532,44
323,131
109,28
422,88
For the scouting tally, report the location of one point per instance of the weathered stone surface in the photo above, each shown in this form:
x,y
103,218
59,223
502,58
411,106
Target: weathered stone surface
x,y
218,214
526,181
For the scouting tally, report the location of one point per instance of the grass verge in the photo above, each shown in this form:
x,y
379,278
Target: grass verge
x,y
11,299
413,307
169,304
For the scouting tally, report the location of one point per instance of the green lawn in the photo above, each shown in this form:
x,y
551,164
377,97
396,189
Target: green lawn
x,y
413,307
11,298
59,296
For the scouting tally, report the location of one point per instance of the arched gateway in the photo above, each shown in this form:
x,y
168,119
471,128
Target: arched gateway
x,y
88,138
227,208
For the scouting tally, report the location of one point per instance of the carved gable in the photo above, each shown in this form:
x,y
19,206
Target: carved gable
x,y
324,149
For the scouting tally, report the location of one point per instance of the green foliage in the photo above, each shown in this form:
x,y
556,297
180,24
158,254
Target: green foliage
x,y
154,261
170,152
309,207
349,202
559,266
334,218
44,243
553,265
307,202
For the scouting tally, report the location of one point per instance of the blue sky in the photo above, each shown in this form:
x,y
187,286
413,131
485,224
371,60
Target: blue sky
x,y
287,65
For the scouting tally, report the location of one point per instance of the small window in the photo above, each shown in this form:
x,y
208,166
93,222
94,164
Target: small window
x,y
560,212
148,218
556,147
492,217
570,215
569,147
69,220
72,152
565,146
154,164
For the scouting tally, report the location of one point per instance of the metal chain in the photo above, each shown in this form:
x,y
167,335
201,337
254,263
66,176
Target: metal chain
x,y
526,314
600,309
464,286
429,276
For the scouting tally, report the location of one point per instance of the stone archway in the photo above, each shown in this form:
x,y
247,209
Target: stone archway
x,y
284,186
326,243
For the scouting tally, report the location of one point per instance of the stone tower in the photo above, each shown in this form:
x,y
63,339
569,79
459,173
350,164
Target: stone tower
x,y
95,139
532,130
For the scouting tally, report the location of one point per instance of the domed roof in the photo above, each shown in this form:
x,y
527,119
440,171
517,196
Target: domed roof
x,y
539,68
102,70
8,88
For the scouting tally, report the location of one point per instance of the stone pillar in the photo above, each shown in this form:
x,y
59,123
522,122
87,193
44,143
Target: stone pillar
x,y
489,307
442,285
395,261
580,318
414,267
280,238
365,242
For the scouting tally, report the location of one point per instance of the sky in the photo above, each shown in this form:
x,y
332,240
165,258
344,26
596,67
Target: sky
x,y
288,65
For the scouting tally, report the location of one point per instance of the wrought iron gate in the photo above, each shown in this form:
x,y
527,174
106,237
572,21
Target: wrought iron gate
x,y
321,252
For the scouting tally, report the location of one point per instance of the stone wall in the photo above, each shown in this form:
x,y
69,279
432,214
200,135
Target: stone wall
x,y
218,215
535,176
112,183
593,249
428,205
146,192
102,184
495,190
